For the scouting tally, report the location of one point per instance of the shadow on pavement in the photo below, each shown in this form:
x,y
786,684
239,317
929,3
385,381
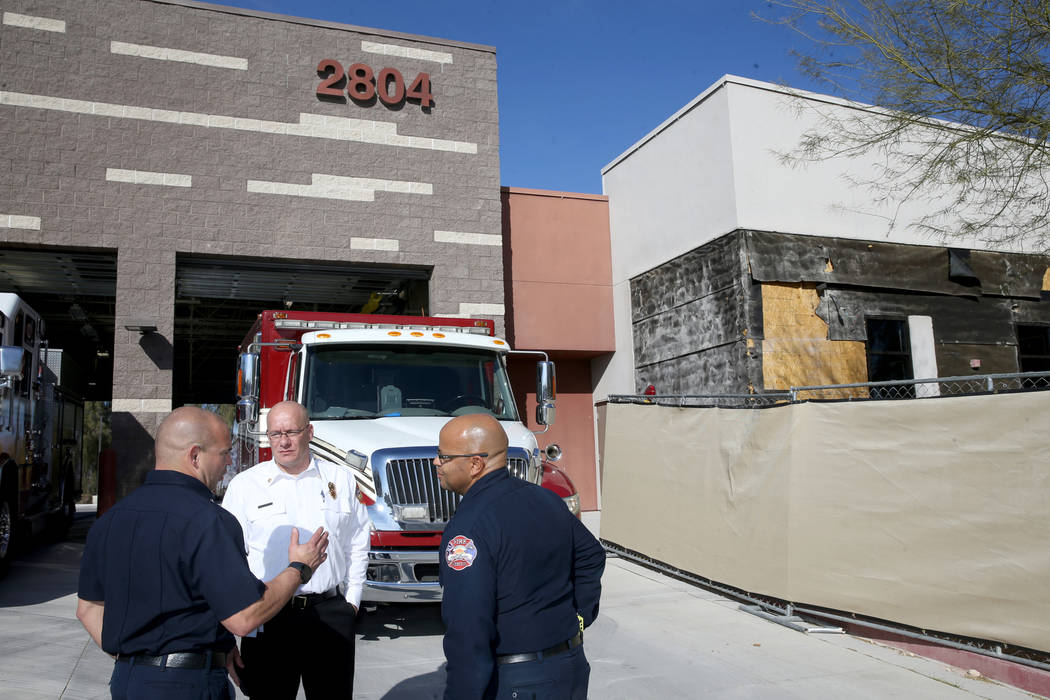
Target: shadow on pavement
x,y
47,570
423,687
397,620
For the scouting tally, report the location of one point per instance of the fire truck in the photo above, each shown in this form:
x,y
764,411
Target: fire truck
x,y
41,428
378,389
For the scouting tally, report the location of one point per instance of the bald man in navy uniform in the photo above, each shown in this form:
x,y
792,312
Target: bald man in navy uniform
x,y
164,581
521,576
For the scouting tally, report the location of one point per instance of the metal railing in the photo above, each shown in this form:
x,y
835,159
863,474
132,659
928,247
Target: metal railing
x,y
901,389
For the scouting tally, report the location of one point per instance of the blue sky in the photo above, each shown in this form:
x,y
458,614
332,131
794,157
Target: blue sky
x,y
609,70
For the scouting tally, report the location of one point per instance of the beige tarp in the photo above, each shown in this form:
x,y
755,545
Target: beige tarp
x,y
932,513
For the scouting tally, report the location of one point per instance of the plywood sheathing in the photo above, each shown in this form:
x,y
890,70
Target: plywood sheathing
x,y
796,350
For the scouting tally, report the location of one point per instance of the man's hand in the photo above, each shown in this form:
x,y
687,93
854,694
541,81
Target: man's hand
x,y
233,662
312,552
281,587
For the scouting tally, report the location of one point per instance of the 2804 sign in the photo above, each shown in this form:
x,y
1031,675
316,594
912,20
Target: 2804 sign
x,y
362,84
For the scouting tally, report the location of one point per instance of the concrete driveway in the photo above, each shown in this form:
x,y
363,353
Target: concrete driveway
x,y
656,637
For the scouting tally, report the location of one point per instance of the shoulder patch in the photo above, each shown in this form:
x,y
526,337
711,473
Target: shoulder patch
x,y
460,553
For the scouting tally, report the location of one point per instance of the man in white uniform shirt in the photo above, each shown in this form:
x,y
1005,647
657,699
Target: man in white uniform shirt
x,y
312,638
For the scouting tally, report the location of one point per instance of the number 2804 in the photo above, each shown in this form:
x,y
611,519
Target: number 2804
x,y
363,84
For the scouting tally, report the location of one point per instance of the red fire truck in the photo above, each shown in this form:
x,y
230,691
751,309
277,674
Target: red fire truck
x,y
378,390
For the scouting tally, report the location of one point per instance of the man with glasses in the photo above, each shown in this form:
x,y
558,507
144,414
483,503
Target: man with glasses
x,y
312,638
521,576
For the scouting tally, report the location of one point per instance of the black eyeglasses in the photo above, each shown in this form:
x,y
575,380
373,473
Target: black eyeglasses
x,y
279,434
445,459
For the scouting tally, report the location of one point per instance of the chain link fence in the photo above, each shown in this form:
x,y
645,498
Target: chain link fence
x,y
762,400
930,387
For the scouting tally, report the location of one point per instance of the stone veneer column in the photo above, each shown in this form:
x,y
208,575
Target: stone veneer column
x,y
141,363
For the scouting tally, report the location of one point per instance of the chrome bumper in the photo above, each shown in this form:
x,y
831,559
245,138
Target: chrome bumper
x,y
408,566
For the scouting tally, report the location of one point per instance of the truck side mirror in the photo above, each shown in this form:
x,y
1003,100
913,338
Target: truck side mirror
x,y
545,383
11,357
248,387
247,375
247,411
545,392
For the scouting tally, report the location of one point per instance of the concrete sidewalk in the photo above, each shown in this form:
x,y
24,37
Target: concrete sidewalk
x,y
656,637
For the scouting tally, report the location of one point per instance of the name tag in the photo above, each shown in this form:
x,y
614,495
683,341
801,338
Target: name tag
x,y
266,504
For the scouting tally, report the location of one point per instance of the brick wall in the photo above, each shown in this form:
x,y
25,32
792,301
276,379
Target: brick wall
x,y
157,128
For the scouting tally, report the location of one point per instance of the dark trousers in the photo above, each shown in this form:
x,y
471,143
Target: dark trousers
x,y
131,681
561,677
315,645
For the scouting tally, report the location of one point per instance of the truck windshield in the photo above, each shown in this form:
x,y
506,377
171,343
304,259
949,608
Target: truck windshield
x,y
372,381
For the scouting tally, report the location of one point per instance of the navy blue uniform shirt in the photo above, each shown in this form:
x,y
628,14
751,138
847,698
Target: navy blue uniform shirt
x,y
169,564
516,568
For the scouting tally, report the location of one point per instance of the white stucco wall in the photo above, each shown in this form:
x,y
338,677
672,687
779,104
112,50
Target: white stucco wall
x,y
672,189
816,197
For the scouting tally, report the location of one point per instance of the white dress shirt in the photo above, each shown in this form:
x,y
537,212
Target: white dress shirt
x,y
268,503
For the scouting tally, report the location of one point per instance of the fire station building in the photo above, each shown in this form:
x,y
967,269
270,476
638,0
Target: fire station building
x,y
172,168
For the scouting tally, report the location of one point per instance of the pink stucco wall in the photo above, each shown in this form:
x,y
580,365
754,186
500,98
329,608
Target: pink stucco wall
x,y
556,251
558,278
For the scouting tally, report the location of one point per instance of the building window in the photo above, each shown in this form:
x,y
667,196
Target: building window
x,y
1033,348
889,357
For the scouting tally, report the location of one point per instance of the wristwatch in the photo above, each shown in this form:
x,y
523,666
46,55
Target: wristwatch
x,y
305,572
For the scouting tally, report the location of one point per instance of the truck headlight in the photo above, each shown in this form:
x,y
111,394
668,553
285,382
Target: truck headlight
x,y
384,573
535,469
573,502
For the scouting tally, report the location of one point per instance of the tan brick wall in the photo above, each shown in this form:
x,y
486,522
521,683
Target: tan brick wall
x,y
158,128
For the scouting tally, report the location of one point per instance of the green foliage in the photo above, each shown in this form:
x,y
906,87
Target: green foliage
x,y
97,436
226,411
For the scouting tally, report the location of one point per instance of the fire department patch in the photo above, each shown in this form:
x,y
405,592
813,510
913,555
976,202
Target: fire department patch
x,y
460,553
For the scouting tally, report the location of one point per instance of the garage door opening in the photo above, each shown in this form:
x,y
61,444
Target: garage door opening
x,y
74,291
218,298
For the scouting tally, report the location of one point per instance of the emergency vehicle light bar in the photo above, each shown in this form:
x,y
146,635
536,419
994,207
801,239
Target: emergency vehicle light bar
x,y
350,325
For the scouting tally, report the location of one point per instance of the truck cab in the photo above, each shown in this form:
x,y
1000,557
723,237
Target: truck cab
x,y
378,393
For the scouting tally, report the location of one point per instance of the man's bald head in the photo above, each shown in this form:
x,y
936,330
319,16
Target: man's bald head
x,y
480,432
185,441
295,410
478,435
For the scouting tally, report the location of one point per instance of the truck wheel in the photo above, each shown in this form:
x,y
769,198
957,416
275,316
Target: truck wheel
x,y
7,534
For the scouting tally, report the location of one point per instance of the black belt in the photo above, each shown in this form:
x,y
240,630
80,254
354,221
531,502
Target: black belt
x,y
189,659
308,600
539,655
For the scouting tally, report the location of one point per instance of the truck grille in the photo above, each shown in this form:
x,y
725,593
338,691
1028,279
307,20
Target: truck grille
x,y
414,481
411,481
518,467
